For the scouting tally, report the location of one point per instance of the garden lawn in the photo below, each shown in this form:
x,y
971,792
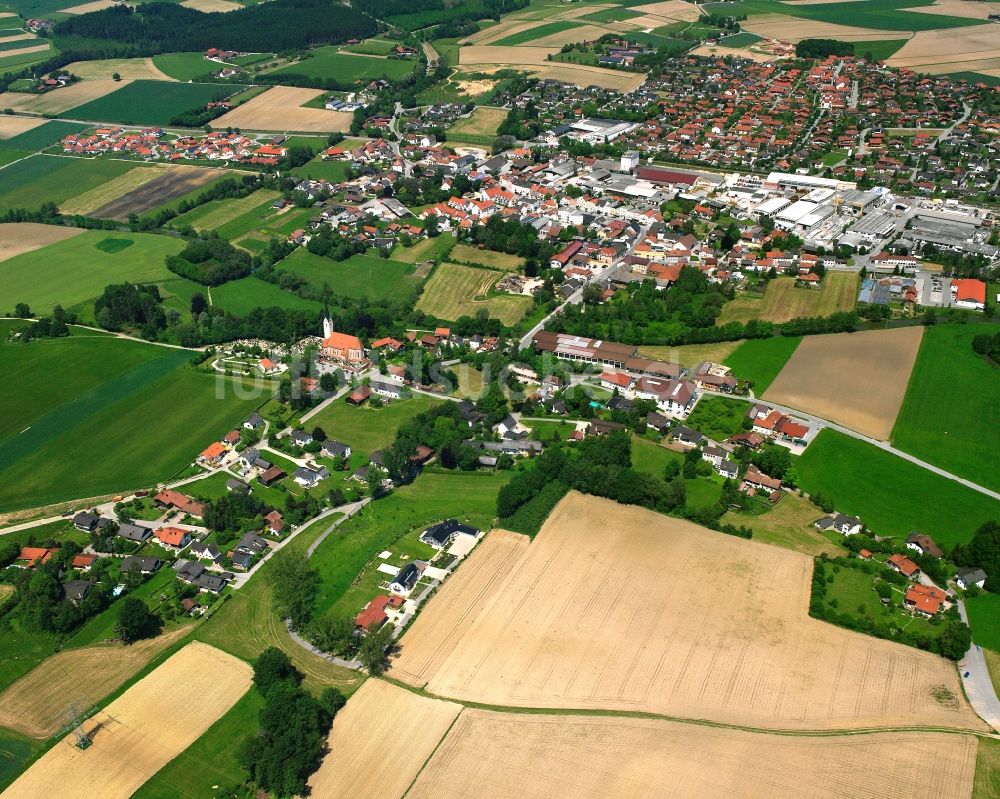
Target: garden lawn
x,y
212,759
366,429
718,417
435,495
759,360
49,178
652,458
951,412
359,276
77,270
327,63
239,297
184,66
984,619
702,492
124,435
152,102
891,495
318,169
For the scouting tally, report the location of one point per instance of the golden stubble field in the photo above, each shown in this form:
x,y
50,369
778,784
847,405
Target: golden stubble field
x,y
379,743
620,608
857,380
280,108
792,29
491,755
975,48
59,100
37,703
21,237
141,731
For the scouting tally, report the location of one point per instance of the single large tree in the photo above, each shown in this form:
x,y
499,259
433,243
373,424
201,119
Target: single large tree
x,y
135,621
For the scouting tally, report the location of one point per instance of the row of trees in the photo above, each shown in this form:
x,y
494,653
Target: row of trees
x,y
166,27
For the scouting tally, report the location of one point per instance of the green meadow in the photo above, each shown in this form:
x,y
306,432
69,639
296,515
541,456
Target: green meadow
x,y
359,276
50,178
77,270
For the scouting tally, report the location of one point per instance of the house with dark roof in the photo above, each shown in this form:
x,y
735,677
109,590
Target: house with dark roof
x,y
301,438
687,436
308,478
134,532
967,577
85,521
253,421
146,565
406,578
839,522
442,533
334,449
76,591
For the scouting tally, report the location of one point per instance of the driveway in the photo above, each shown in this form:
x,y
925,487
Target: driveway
x,y
978,685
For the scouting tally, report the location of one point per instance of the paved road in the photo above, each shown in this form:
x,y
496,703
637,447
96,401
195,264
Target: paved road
x,y
883,445
978,685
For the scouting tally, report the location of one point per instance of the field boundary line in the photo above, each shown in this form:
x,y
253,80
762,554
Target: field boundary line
x,y
437,746
642,714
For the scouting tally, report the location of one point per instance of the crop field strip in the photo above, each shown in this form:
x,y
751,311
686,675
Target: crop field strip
x,y
855,379
455,290
592,619
142,730
280,108
17,238
49,178
149,102
88,202
60,100
36,704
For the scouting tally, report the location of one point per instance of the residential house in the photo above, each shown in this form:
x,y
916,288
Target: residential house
x,y
373,616
213,454
728,469
85,521
923,545
686,436
168,498
274,522
134,532
334,449
925,600
658,422
29,557
386,389
967,577
301,438
144,566
237,486
83,562
845,525
173,537
75,591
253,421
308,478
208,551
757,479
441,534
903,565
406,578
359,395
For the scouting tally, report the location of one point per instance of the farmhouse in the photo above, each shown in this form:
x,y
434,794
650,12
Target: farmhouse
x,y
270,476
359,395
923,545
441,534
903,565
386,389
755,478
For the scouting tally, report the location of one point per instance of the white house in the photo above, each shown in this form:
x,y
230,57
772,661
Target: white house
x,y
966,577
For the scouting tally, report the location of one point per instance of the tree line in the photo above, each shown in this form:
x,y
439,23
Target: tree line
x,y
277,26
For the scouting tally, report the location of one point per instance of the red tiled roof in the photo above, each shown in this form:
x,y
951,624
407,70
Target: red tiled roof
x,y
373,615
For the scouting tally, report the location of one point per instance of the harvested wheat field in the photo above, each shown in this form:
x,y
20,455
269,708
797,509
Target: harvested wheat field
x,y
497,54
37,703
118,187
793,30
977,46
86,8
584,75
674,10
491,755
379,742
854,379
142,730
452,610
620,608
127,68
959,8
14,126
209,6
280,108
21,237
34,48
59,100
